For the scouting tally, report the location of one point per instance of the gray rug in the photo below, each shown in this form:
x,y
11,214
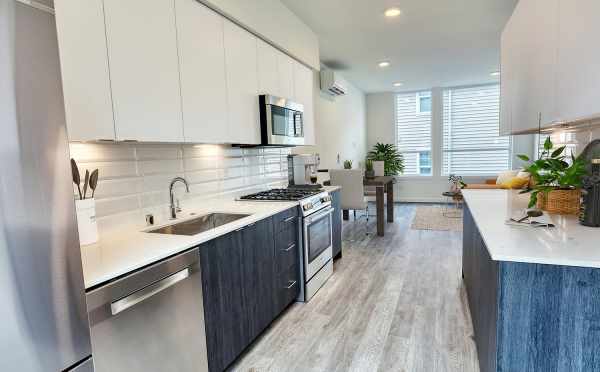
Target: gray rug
x,y
430,217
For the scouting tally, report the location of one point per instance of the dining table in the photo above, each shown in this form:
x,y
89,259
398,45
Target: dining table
x,y
384,186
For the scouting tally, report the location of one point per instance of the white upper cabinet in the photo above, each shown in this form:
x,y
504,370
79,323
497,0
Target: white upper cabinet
x,y
579,60
202,67
268,70
169,71
275,71
530,62
241,66
285,69
85,76
144,69
550,64
303,93
507,82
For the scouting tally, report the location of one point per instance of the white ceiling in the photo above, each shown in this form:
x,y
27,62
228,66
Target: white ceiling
x,y
432,43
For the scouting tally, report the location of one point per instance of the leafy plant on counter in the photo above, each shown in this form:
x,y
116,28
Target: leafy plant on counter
x,y
552,172
369,165
347,164
393,160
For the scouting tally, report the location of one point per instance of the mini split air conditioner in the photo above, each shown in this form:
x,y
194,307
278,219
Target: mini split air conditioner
x,y
331,84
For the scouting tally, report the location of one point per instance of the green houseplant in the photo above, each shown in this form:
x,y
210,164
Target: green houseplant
x,y
347,164
551,172
388,153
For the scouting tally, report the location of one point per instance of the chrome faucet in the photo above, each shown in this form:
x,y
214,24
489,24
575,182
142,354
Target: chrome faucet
x,y
175,209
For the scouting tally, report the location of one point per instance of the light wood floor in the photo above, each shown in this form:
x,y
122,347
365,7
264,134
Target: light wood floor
x,y
393,304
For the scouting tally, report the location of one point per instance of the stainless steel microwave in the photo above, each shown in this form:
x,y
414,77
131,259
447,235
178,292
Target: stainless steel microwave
x,y
281,121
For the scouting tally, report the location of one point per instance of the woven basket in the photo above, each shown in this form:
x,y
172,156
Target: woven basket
x,y
560,201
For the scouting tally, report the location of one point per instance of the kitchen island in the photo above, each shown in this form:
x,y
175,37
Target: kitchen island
x,y
533,293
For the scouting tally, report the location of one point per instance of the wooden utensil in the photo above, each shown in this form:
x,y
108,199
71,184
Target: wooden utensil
x,y
94,181
85,183
76,177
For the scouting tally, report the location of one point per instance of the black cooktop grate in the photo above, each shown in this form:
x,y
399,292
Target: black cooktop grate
x,y
281,194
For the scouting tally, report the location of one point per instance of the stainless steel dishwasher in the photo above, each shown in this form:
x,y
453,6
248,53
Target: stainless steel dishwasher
x,y
151,320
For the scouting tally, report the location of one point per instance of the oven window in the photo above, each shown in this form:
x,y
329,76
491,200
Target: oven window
x,y
283,121
319,237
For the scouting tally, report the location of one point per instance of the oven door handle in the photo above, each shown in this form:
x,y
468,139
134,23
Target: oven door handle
x,y
314,218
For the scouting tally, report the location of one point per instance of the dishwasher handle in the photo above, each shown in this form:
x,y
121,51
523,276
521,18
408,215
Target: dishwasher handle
x,y
149,291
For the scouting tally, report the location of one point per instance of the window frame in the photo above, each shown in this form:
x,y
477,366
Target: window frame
x,y
418,96
443,150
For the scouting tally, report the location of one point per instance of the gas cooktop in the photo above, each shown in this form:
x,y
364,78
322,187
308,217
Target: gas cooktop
x,y
281,194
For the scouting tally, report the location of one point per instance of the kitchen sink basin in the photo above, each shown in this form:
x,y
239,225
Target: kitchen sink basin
x,y
199,224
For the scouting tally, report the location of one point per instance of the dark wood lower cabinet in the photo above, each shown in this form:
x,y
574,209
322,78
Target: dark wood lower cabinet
x,y
259,277
224,311
245,285
336,202
530,317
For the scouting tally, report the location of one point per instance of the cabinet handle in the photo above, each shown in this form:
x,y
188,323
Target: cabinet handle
x,y
289,219
289,248
291,285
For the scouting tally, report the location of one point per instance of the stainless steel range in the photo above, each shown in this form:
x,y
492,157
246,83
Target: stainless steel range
x,y
317,235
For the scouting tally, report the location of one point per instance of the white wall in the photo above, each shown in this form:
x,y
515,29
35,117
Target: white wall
x,y
381,119
274,22
340,127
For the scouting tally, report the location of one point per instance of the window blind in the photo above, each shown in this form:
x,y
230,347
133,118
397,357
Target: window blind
x,y
413,134
471,142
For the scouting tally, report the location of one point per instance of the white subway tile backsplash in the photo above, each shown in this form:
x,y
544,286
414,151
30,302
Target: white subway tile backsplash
x,y
86,152
110,170
118,187
111,206
195,164
158,152
169,166
135,178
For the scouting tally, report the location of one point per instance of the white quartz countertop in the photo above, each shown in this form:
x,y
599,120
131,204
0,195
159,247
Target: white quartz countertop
x,y
568,244
125,251
122,252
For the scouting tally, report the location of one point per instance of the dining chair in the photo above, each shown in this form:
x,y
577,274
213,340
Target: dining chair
x,y
379,170
353,190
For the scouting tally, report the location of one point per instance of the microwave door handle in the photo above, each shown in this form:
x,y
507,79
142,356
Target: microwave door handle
x,y
298,130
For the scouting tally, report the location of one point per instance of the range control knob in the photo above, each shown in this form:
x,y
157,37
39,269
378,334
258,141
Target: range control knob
x,y
307,206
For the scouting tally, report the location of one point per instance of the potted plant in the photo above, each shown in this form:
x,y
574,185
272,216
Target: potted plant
x,y
456,183
369,171
556,185
347,164
393,160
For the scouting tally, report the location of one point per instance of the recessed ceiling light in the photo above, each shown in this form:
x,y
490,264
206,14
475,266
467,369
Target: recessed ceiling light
x,y
384,64
398,84
392,12
495,73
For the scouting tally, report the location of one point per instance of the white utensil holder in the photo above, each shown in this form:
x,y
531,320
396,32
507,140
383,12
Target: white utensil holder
x,y
86,221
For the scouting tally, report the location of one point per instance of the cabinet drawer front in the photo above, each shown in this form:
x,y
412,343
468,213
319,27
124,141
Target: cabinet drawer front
x,y
288,287
285,219
286,248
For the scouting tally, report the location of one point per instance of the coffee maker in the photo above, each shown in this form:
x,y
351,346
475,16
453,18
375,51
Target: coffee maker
x,y
302,171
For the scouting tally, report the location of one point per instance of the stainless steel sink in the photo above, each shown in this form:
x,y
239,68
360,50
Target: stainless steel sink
x,y
199,224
